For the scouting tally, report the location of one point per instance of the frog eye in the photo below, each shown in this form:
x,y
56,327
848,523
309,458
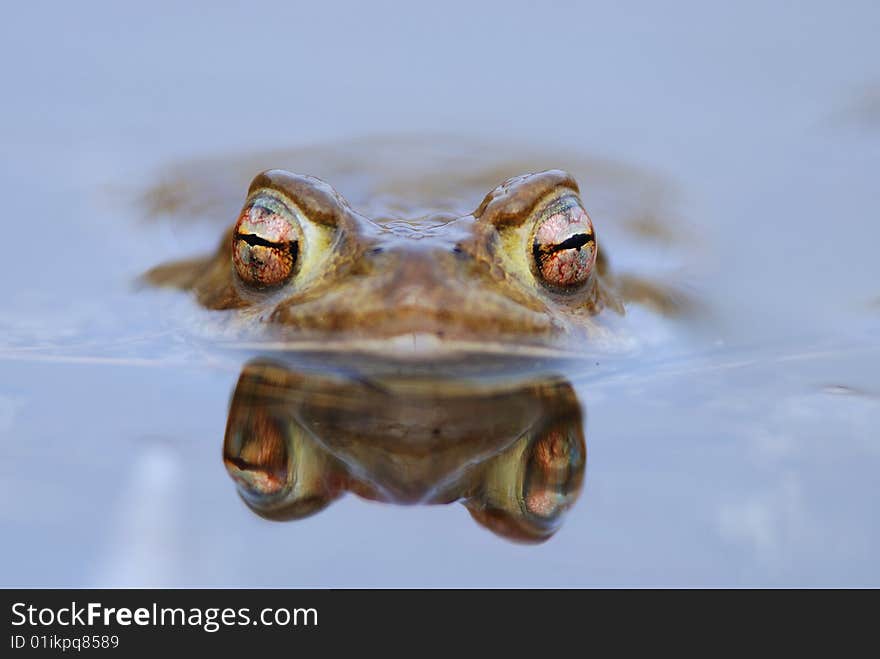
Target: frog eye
x,y
255,453
526,492
554,467
563,244
266,241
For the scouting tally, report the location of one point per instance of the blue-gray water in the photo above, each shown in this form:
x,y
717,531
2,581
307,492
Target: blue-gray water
x,y
751,459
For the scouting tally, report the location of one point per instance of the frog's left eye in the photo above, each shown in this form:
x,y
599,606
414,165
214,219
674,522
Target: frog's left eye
x,y
266,242
563,244
255,452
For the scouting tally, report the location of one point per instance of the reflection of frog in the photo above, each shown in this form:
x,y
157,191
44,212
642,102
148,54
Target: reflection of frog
x,y
522,270
515,457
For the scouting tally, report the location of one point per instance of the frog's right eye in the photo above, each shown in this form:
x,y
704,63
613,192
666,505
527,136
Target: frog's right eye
x,y
564,245
553,473
267,241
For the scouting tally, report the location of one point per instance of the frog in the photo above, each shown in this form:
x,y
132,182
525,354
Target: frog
x,y
426,277
412,262
513,455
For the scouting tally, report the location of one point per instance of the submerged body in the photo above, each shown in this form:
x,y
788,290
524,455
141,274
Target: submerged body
x,y
410,269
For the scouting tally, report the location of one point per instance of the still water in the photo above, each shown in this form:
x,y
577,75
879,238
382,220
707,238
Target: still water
x,y
738,443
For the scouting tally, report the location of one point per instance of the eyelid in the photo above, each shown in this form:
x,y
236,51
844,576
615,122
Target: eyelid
x,y
270,200
275,202
314,199
564,201
513,202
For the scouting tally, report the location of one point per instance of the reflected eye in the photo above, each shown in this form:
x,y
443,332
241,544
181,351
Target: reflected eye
x,y
564,246
255,453
553,472
266,241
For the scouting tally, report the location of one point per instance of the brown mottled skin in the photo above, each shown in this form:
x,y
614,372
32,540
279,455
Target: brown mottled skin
x,y
435,277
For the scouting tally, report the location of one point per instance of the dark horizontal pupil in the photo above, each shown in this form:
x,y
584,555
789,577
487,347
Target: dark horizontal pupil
x,y
575,242
253,240
244,465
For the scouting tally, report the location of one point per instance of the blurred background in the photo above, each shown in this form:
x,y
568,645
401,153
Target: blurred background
x,y
765,115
